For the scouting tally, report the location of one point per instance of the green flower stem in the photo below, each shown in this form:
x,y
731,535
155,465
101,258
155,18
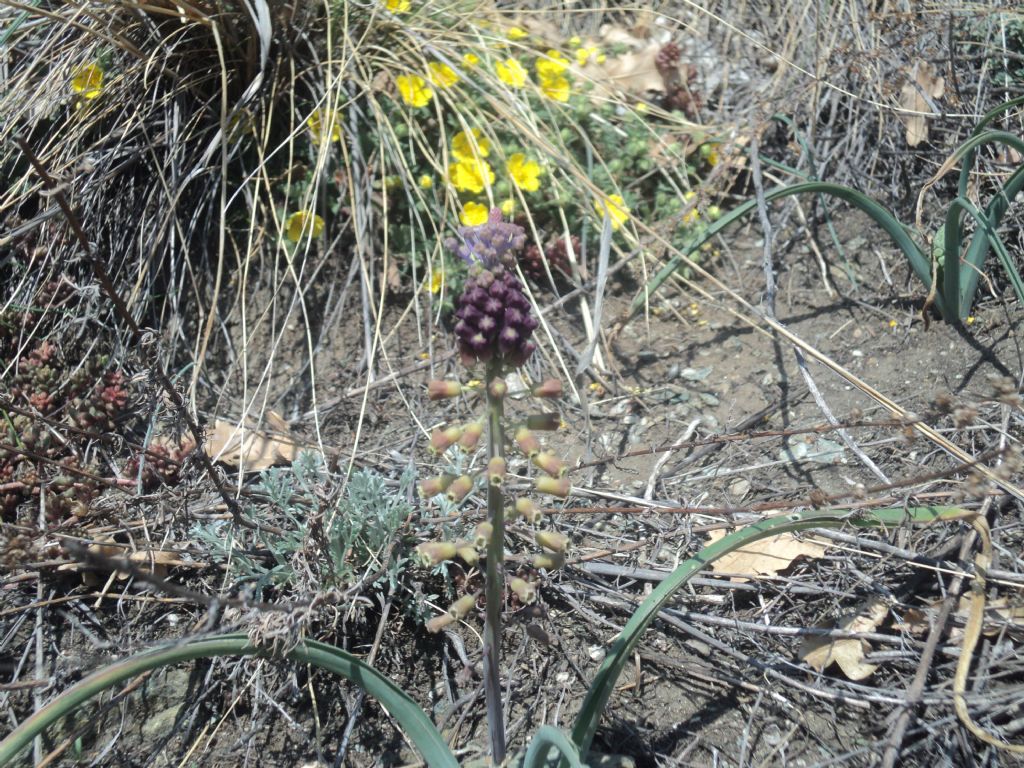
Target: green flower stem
x,y
495,573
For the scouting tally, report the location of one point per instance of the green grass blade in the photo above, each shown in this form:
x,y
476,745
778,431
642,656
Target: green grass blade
x,y
919,262
413,721
546,739
621,649
985,229
982,125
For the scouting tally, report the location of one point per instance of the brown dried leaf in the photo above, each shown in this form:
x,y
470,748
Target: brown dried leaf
x,y
847,652
922,81
634,73
252,449
766,556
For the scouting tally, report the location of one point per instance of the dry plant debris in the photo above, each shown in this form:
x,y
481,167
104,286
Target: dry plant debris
x,y
923,85
846,652
764,557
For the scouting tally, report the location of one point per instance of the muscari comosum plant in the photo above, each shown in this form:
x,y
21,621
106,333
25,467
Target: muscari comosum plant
x,y
494,329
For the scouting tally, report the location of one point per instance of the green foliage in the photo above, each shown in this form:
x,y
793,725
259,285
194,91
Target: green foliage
x,y
360,529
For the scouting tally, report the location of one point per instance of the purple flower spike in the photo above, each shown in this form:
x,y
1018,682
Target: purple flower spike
x,y
490,244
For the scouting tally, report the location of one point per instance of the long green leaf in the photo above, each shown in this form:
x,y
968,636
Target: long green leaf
x,y
548,739
621,649
413,721
966,298
919,262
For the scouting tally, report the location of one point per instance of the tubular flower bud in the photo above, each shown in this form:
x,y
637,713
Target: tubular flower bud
x,y
440,390
552,540
556,487
550,464
459,488
482,535
548,388
438,623
549,561
432,486
496,470
527,443
524,590
461,607
529,512
544,422
467,553
443,439
498,388
471,434
435,552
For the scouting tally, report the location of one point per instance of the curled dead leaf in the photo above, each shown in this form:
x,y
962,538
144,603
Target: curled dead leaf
x,y
249,448
766,556
923,84
846,652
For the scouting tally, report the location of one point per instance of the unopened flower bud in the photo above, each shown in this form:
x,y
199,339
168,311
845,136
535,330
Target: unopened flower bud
x,y
438,623
443,439
435,552
552,540
527,443
549,561
432,486
556,487
544,422
459,488
439,390
550,464
467,553
482,535
524,590
461,607
496,470
498,388
471,435
528,511
548,388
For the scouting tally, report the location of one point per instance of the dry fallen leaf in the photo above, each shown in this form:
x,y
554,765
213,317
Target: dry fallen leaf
x,y
1000,616
152,561
252,449
922,82
848,652
766,556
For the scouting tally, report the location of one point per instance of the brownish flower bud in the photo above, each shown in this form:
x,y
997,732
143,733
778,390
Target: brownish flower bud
x,y
498,388
467,553
549,561
461,607
544,422
482,535
550,464
496,470
439,390
459,488
528,511
552,540
432,486
471,434
443,439
527,443
434,552
556,487
524,590
438,623
548,388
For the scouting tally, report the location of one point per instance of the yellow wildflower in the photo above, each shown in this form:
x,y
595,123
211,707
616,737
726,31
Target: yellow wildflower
x,y
414,90
470,60
554,64
508,207
470,146
473,214
511,72
436,280
641,106
615,208
583,55
426,181
525,173
574,41
442,75
517,33
556,87
398,6
87,80
471,175
303,223
893,324
324,123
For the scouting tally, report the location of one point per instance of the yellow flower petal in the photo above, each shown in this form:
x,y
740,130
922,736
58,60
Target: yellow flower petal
x,y
508,207
414,90
473,214
398,6
556,87
517,33
525,173
511,73
583,55
442,75
470,146
436,280
470,60
302,224
324,123
554,64
615,208
87,80
471,175
426,181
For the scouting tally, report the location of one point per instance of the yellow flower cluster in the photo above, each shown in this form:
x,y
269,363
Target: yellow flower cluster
x,y
470,172
302,224
87,81
511,73
614,207
554,83
324,125
414,90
